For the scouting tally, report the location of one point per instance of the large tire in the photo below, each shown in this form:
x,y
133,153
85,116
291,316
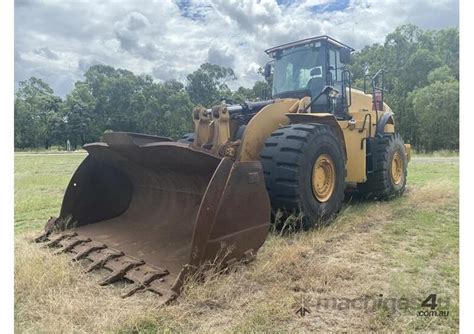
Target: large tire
x,y
389,171
188,138
289,157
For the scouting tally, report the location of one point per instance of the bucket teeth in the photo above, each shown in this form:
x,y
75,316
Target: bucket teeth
x,y
158,285
109,255
53,242
88,248
42,238
161,288
142,276
145,274
70,243
120,271
132,290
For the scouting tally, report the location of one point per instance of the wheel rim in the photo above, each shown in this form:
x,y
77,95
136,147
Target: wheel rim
x,y
397,168
323,178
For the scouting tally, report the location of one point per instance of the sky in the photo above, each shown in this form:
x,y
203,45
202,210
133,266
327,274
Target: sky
x,y
58,41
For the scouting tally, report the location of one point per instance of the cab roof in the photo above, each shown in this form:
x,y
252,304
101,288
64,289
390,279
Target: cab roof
x,y
305,41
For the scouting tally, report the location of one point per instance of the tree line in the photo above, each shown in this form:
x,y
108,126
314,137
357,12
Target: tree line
x,y
422,83
422,88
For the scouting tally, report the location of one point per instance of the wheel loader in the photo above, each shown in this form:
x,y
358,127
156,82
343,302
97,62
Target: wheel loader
x,y
152,211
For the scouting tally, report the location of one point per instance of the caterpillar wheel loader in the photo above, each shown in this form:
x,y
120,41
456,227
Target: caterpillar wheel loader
x,y
151,210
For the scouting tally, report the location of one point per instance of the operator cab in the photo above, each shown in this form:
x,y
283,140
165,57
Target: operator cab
x,y
306,67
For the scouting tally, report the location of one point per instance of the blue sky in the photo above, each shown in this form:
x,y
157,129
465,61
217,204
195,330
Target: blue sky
x,y
330,6
58,40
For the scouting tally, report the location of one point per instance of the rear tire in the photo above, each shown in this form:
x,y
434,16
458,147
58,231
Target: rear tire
x,y
389,175
304,172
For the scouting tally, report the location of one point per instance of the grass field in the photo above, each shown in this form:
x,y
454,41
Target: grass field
x,y
370,270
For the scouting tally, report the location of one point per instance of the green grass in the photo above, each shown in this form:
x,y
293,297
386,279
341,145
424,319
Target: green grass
x,y
406,247
441,153
423,247
40,182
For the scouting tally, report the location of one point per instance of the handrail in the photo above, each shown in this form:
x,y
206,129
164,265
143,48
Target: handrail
x,y
349,99
365,83
375,88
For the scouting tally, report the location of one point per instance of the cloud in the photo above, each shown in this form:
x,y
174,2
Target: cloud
x,y
84,64
222,57
128,30
59,41
250,16
47,53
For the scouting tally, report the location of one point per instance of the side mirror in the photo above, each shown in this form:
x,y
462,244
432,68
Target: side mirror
x,y
316,72
267,71
345,55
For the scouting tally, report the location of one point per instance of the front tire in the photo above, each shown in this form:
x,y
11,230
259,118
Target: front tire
x,y
304,172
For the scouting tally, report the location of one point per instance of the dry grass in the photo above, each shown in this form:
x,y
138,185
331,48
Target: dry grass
x,y
371,249
53,295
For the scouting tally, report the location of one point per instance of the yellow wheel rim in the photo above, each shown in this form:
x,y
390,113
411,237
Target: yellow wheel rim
x,y
397,168
323,178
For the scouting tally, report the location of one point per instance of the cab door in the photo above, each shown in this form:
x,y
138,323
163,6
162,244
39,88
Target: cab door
x,y
335,79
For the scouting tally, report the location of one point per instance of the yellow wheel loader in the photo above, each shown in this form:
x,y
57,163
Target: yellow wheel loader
x,y
152,211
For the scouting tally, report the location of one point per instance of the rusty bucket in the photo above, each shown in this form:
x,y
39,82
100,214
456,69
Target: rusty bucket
x,y
150,210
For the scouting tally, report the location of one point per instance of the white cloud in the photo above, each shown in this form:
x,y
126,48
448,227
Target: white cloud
x,y
169,39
